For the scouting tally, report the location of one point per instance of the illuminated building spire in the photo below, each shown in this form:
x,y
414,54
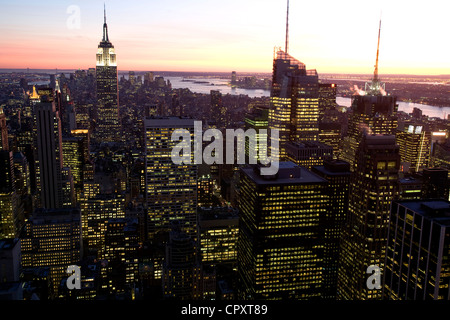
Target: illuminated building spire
x,y
105,26
375,74
287,29
376,87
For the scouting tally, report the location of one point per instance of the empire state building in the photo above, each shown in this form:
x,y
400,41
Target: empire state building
x,y
108,127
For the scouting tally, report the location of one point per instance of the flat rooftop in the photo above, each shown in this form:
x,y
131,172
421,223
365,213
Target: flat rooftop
x,y
437,210
288,173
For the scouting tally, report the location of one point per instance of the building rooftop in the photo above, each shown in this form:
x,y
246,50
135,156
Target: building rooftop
x,y
437,210
288,173
176,122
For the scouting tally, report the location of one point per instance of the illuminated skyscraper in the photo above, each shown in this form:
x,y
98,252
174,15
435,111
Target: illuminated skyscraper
x,y
308,153
218,233
4,145
52,238
281,237
108,124
415,148
170,189
181,270
417,261
327,101
337,173
373,111
373,186
73,157
218,112
294,101
257,120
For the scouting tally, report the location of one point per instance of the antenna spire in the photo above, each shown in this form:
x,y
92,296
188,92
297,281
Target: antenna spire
x,y
375,75
105,27
287,29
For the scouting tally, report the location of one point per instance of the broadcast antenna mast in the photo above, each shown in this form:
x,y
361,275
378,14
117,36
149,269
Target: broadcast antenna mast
x,y
375,75
287,29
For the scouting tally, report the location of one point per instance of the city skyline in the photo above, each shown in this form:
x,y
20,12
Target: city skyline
x,y
221,37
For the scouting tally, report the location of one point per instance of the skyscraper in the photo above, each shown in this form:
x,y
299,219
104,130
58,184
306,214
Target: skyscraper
x,y
48,149
337,173
4,145
170,189
294,99
108,123
417,261
373,111
373,186
52,238
281,237
415,147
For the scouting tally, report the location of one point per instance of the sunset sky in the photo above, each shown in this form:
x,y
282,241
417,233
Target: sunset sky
x,y
217,35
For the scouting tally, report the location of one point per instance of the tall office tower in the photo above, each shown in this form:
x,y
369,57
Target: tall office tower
x,y
4,144
95,212
258,120
294,101
337,173
205,190
330,134
108,127
74,158
327,102
435,183
11,285
52,238
181,270
170,189
373,111
308,153
417,260
119,248
373,186
410,188
132,77
49,160
218,235
10,260
281,237
441,155
217,111
233,77
415,148
11,218
294,98
84,134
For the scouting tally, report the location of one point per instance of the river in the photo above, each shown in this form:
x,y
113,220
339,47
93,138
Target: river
x,y
205,85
